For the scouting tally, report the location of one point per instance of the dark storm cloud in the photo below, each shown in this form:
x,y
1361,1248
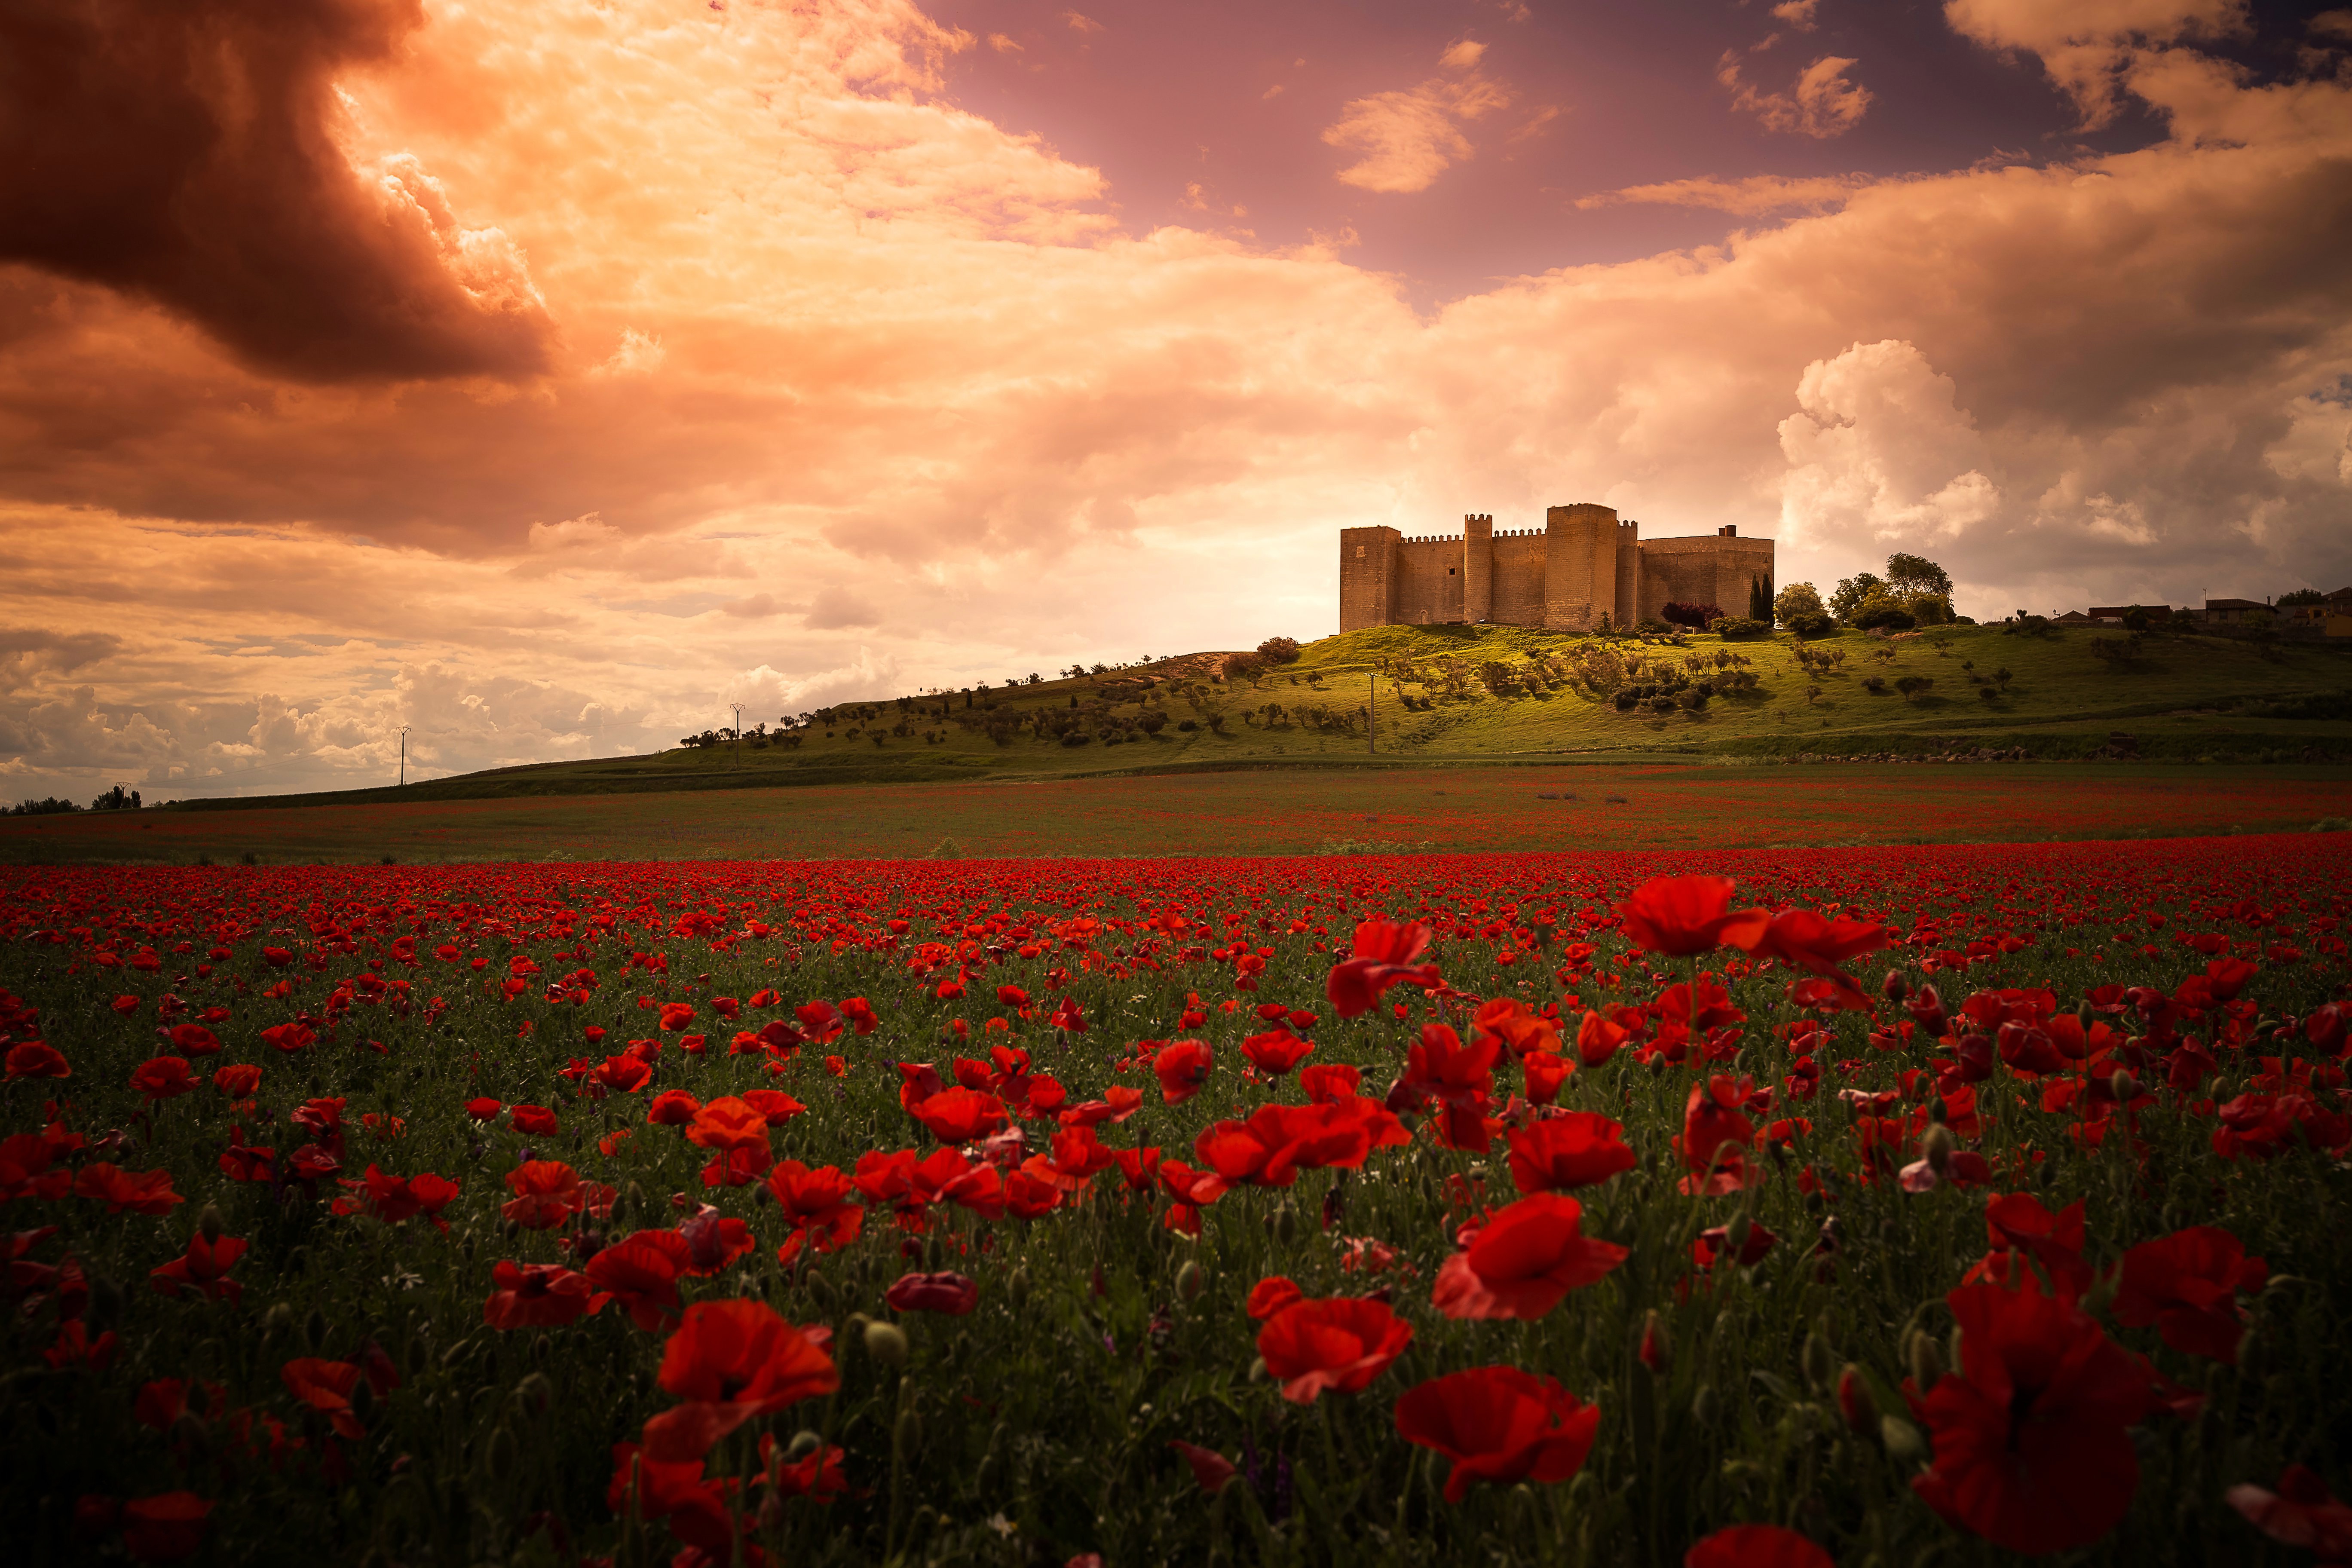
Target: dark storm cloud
x,y
182,151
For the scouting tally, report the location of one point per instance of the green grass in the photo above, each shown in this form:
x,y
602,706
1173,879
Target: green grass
x,y
1534,803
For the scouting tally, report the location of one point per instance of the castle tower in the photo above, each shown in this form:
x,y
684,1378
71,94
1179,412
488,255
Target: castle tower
x,y
1368,570
1580,566
1477,567
1629,574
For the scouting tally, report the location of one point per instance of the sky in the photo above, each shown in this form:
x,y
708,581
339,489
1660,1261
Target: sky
x,y
547,376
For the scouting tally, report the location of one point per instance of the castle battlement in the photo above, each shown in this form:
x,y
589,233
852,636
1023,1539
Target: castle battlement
x,y
1585,565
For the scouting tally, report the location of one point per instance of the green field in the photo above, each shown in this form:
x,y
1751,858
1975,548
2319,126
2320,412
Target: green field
x,y
1539,805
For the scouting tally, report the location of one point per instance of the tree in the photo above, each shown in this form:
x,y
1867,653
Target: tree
x,y
1760,599
1880,610
1693,615
1796,599
1915,687
2301,596
1909,574
1279,650
1034,678
1852,592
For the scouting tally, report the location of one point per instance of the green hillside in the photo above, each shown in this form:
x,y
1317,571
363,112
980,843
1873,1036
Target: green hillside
x,y
1468,695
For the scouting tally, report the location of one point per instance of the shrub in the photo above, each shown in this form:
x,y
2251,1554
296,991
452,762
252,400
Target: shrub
x,y
1796,599
1874,684
1914,687
1186,725
1739,628
1279,650
1696,617
1884,615
1243,666
1152,723
1810,624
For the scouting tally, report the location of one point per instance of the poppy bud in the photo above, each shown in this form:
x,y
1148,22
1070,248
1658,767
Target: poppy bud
x,y
1926,1361
887,1342
540,1350
1188,1281
805,1443
1937,1111
1285,1223
1736,1232
1257,1371
1895,987
314,1329
1657,1352
909,1434
534,1394
822,1292
499,1459
2253,1359
1854,1402
1938,1147
1657,1063
1703,1405
510,1229
934,1255
455,1353
210,1225
1819,1361
1953,1346
2123,1086
762,1196
1904,1443
2086,1017
362,1399
1016,1288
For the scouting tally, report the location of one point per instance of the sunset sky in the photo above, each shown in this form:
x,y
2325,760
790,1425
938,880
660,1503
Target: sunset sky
x,y
547,374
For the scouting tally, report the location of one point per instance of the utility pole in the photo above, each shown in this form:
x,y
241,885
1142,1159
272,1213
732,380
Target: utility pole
x,y
739,733
1372,714
403,756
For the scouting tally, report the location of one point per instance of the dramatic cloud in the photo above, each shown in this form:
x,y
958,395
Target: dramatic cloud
x,y
844,390
189,153
2089,47
1403,141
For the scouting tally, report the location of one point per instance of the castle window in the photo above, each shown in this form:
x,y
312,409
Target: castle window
x,y
1449,570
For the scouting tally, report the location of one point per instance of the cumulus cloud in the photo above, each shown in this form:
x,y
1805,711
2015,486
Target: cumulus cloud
x,y
2089,47
190,154
1822,103
1878,452
836,607
1404,140
1797,15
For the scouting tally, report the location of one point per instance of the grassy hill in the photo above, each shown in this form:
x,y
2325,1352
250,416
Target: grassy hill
x,y
1469,695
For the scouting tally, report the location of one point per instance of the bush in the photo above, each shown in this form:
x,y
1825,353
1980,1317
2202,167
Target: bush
x,y
1915,687
1696,617
1243,666
1796,599
1739,628
1810,624
1929,609
1884,615
1279,650
1186,725
1152,723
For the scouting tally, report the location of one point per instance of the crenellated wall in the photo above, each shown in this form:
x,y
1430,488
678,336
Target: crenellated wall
x,y
1584,565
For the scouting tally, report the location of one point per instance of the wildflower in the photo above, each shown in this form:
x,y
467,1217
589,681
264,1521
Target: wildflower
x,y
1183,1068
1499,1424
1211,1471
534,1121
2302,1512
1340,1343
730,1361
952,1294
1683,916
1382,956
202,1268
164,1528
1757,1546
2187,1285
1523,1261
641,1273
162,1077
1577,1150
962,1115
535,1296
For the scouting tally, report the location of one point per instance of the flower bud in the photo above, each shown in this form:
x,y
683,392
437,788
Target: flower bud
x,y
210,1223
1657,1352
1738,1232
500,1461
887,1342
534,1394
1819,1361
1937,1146
314,1330
935,1257
1926,1361
2123,1086
1189,1282
909,1434
805,1443
1895,987
1854,1400
822,1292
1016,1288
362,1399
1904,1443
1703,1405
1285,1223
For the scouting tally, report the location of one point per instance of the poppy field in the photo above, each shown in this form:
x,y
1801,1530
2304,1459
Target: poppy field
x,y
1890,1204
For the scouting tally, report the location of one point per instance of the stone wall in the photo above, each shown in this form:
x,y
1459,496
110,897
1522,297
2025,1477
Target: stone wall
x,y
1711,569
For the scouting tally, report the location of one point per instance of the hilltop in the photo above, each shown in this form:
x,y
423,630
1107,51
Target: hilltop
x,y
1455,696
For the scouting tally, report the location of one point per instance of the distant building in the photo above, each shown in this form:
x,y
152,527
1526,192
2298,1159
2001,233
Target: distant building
x,y
2118,612
1584,566
2238,612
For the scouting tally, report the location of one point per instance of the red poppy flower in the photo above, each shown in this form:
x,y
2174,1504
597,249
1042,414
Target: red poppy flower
x,y
195,1040
1757,1546
393,1199
2187,1284
1683,916
1804,939
2017,1223
326,1385
35,1059
1211,1471
1713,1130
1339,1343
1500,1424
535,1296
675,1016
622,1074
730,1361
238,1081
641,1274
860,1013
1331,1083
672,1107
1183,1068
1271,1295
773,1104
162,1077
951,1294
534,1121
695,1509
1277,1051
1522,1260
1572,1151
165,1528
287,1037
713,1240
2302,1512
483,1109
2031,1447
1382,956
728,1123
1714,1245
1459,1078
546,1191
148,1193
962,1115
202,1268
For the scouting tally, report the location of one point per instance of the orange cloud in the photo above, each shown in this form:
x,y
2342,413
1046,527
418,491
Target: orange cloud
x,y
1404,140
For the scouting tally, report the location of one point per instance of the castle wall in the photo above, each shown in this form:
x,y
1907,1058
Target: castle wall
x,y
1519,578
1428,581
1711,569
1477,568
1580,565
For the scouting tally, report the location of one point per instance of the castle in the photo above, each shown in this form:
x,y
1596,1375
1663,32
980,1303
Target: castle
x,y
1584,567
